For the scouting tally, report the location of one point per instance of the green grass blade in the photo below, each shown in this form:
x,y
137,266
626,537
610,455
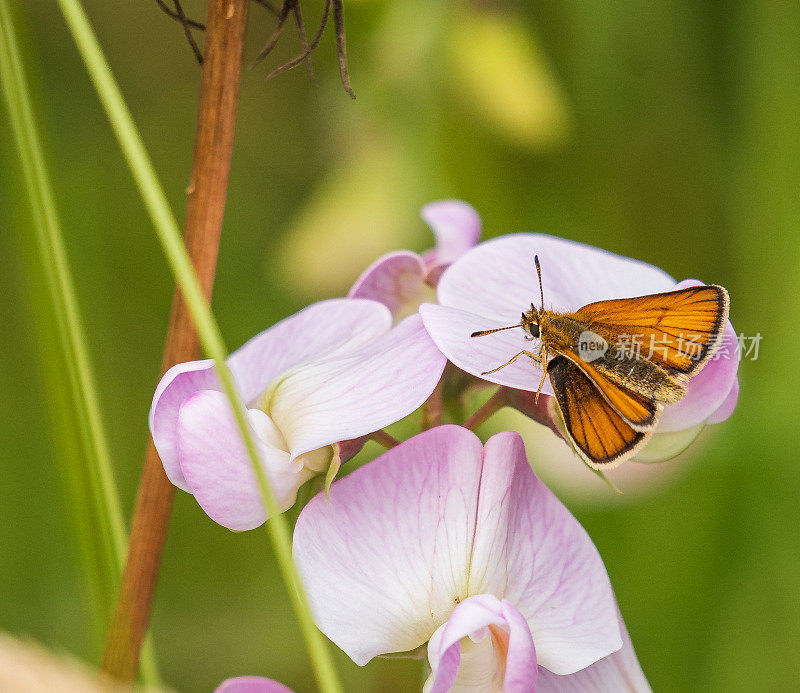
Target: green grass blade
x,y
169,235
94,480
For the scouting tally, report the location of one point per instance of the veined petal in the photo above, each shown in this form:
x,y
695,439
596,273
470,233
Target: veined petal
x,y
317,331
398,281
252,684
531,551
217,468
432,522
457,228
497,279
499,655
384,561
619,672
359,391
451,328
178,384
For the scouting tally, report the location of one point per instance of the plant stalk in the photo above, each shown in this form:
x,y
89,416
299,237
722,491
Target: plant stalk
x,y
207,192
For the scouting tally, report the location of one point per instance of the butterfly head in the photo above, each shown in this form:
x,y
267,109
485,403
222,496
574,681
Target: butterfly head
x,y
530,322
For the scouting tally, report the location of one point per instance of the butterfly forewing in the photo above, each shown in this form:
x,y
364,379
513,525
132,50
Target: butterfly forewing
x,y
678,330
598,432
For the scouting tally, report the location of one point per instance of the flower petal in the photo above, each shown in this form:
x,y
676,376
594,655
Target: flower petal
x,y
398,281
314,332
619,672
292,341
457,228
357,392
385,560
482,667
178,384
451,328
251,684
217,468
531,551
497,279
726,408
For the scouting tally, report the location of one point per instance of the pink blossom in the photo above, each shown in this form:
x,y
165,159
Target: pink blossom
x,y
444,541
251,684
335,371
402,280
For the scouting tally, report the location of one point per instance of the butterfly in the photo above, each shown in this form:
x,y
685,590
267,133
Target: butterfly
x,y
614,365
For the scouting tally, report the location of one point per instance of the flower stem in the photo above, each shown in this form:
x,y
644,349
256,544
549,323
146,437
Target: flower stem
x,y
227,20
221,76
492,405
383,438
432,409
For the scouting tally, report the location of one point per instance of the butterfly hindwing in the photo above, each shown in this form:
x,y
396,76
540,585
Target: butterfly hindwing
x,y
601,435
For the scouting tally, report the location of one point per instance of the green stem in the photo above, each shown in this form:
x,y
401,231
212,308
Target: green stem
x,y
168,233
108,518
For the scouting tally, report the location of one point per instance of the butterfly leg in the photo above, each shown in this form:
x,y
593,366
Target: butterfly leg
x,y
544,374
530,354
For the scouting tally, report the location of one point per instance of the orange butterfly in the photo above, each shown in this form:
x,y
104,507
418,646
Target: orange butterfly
x,y
616,363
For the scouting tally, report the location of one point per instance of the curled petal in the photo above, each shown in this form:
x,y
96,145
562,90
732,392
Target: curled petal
x,y
619,672
357,392
397,280
726,408
251,684
501,652
177,385
320,329
457,228
217,468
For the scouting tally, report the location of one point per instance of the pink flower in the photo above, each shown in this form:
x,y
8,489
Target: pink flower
x,y
492,283
403,280
251,684
446,542
333,372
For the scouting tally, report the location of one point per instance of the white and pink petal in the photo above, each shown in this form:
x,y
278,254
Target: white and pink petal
x,y
356,392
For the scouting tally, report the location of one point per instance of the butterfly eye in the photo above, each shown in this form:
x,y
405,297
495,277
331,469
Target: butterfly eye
x,y
533,329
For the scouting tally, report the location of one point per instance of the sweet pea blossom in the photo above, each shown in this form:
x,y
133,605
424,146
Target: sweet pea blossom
x,y
492,283
402,280
252,684
336,371
445,541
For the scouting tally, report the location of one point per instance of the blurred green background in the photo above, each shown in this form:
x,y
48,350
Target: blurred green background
x,y
666,131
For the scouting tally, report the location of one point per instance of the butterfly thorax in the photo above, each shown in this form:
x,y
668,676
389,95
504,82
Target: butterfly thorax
x,y
594,347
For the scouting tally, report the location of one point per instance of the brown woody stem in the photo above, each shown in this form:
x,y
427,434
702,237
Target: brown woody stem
x,y
219,94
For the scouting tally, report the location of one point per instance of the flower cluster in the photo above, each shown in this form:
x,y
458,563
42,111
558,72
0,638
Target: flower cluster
x,y
443,547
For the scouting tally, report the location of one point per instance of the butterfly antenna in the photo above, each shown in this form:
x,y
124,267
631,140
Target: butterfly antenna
x,y
539,273
483,333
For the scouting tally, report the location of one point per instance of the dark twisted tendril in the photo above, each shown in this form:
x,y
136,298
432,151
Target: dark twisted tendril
x,y
288,6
